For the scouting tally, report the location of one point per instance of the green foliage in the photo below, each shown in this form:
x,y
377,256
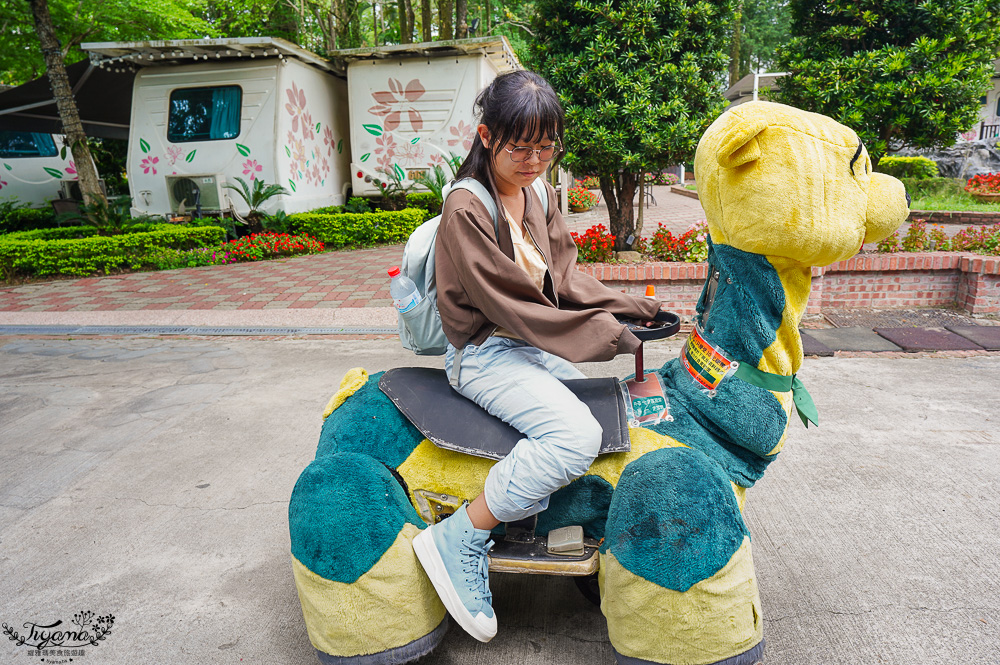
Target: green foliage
x,y
355,204
110,156
222,222
640,83
921,187
359,230
764,26
78,21
897,72
96,254
435,181
917,168
111,217
425,200
23,219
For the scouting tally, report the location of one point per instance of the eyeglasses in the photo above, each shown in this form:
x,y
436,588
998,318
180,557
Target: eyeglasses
x,y
523,153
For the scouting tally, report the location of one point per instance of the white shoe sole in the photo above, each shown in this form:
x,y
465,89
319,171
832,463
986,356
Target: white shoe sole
x,y
481,627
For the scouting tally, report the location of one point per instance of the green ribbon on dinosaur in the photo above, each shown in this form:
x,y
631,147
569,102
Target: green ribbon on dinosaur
x,y
778,383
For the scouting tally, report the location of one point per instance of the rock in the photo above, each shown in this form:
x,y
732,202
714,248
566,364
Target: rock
x,y
963,159
629,257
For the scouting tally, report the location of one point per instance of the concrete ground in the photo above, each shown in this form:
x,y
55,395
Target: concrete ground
x,y
149,478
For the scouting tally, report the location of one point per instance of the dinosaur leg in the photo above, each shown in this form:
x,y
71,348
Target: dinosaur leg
x,y
365,598
677,578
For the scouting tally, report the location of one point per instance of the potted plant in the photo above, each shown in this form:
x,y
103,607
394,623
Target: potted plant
x,y
984,187
581,199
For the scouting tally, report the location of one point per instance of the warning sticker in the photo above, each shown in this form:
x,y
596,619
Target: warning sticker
x,y
704,362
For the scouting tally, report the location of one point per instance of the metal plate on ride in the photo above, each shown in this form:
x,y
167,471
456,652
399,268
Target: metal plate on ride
x,y
449,420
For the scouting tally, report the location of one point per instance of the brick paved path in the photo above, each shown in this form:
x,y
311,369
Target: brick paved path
x,y
338,279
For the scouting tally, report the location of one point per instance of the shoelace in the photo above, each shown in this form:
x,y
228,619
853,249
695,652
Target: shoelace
x,y
478,565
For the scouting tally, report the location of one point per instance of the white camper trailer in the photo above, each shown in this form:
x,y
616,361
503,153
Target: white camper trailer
x,y
205,112
32,169
411,105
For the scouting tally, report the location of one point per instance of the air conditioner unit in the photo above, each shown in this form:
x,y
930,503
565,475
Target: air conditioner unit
x,y
71,189
194,191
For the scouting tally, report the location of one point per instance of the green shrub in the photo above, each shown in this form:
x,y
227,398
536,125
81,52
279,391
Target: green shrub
x,y
908,167
222,222
926,187
96,254
356,204
27,219
359,229
426,200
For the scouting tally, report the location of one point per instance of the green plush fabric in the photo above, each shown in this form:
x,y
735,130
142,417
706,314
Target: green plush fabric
x,y
674,519
368,422
742,423
345,512
583,502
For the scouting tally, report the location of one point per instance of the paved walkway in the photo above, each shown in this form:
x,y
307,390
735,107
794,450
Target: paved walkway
x,y
333,280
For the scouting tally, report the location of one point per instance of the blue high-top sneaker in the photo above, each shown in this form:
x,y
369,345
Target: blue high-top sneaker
x,y
453,554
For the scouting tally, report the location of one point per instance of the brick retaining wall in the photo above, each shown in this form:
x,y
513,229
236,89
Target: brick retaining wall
x,y
878,281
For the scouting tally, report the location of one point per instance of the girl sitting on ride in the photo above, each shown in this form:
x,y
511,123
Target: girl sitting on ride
x,y
516,313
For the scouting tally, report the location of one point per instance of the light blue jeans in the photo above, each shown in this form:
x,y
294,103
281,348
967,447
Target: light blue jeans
x,y
521,385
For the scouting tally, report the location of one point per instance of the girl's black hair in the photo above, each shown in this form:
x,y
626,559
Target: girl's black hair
x,y
515,106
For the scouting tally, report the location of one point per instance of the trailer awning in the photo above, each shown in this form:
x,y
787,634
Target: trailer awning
x,y
103,97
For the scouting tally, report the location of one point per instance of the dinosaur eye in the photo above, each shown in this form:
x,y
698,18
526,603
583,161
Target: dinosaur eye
x,y
857,153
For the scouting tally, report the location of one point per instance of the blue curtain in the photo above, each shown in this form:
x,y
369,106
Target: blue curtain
x,y
226,107
46,146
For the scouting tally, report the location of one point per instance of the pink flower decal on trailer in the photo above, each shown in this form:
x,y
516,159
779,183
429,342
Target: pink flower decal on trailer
x,y
392,103
463,134
71,170
149,164
296,105
252,168
174,153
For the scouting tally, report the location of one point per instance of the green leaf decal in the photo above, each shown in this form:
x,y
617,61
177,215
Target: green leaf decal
x,y
287,151
9,167
364,157
398,171
317,127
414,141
143,145
340,146
245,151
62,153
374,130
190,156
55,173
291,183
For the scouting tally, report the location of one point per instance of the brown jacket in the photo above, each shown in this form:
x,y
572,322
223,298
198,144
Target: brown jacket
x,y
479,287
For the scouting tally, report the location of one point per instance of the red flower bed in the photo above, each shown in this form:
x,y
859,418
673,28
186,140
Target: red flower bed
x,y
260,246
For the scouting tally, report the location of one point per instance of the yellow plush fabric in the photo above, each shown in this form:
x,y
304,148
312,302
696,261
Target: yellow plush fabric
x,y
438,470
391,605
778,181
352,381
715,619
610,467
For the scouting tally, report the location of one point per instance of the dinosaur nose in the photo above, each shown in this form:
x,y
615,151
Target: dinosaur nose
x,y
907,199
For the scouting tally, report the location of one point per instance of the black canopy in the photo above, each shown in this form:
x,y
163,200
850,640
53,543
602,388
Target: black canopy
x,y
104,98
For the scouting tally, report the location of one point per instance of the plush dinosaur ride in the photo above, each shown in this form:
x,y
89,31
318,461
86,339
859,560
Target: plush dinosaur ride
x,y
783,190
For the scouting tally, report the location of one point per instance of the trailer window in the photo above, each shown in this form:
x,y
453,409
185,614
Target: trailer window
x,y
204,114
26,144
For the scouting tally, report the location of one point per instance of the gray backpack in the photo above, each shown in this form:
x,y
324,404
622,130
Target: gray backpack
x,y
420,328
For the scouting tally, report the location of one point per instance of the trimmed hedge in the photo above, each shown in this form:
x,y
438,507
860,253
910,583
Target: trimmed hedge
x,y
25,219
348,229
94,254
77,232
908,167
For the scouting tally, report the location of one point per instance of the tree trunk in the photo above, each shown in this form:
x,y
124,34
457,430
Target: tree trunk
x,y
618,194
426,19
489,19
444,19
461,19
68,112
734,47
405,21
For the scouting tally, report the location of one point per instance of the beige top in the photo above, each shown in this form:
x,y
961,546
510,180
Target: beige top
x,y
528,258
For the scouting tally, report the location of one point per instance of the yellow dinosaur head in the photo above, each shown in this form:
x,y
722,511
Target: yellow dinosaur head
x,y
781,182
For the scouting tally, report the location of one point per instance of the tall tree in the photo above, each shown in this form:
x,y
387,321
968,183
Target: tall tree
x,y
445,9
426,20
68,113
406,21
639,80
763,27
896,71
461,19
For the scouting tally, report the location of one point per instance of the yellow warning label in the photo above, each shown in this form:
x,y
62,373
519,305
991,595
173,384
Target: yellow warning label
x,y
704,362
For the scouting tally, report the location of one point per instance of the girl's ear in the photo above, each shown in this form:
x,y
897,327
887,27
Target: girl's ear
x,y
484,135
